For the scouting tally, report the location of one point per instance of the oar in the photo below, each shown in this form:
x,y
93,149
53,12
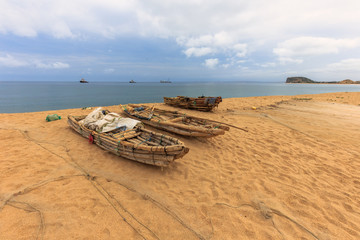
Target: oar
x,y
229,125
233,126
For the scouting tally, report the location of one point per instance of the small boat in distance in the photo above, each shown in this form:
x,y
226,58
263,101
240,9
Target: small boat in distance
x,y
165,81
83,81
132,81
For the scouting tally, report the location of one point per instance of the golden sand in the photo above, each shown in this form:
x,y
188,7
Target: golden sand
x,y
294,175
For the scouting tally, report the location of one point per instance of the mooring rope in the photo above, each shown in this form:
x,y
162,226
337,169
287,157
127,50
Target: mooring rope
x,y
267,213
93,179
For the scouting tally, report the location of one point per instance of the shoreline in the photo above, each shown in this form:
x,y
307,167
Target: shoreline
x,y
350,98
30,97
294,174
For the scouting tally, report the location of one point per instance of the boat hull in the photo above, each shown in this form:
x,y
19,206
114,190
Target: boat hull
x,y
180,123
204,104
132,144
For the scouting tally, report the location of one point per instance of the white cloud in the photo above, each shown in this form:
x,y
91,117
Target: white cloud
x,y
62,30
211,62
286,60
221,43
109,70
336,71
352,64
219,40
8,60
240,49
69,19
306,49
198,52
268,65
225,30
310,46
55,65
30,61
223,39
221,21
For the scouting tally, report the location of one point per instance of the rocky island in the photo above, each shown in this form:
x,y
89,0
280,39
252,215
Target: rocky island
x,y
307,80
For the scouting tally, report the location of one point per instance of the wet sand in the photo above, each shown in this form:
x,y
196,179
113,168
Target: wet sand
x,y
294,175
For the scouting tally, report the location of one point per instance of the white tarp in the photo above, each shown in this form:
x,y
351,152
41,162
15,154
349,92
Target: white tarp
x,y
101,122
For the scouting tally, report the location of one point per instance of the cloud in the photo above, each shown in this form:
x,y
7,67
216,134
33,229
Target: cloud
x,y
352,64
30,61
222,21
335,71
69,19
8,60
198,52
286,60
55,65
296,50
219,44
260,31
268,65
211,62
109,70
220,41
310,46
240,49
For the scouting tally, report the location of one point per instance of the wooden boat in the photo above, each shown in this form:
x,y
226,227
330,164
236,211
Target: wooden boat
x,y
173,121
137,144
201,103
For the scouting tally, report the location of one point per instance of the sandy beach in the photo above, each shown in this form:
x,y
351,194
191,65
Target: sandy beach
x,y
294,174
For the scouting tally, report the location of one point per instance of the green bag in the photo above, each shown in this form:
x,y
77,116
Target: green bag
x,y
52,117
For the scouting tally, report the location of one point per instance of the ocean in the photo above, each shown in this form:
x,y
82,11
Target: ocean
x,y
16,97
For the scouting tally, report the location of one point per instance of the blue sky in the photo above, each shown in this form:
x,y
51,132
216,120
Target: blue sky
x,y
184,40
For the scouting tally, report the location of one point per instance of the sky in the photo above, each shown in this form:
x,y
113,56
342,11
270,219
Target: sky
x,y
180,40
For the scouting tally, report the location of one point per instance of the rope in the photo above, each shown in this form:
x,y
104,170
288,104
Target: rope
x,y
114,207
162,135
309,135
8,201
73,163
268,215
146,140
85,173
32,209
245,130
118,146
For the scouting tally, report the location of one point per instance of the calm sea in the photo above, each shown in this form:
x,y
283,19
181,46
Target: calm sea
x,y
18,97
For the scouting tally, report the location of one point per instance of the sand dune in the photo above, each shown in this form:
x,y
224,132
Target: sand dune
x,y
294,175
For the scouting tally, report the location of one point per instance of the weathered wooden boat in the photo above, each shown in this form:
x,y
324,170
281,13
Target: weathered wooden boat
x,y
137,144
201,103
176,122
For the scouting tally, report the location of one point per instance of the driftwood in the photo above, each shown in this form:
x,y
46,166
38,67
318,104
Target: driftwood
x,y
137,144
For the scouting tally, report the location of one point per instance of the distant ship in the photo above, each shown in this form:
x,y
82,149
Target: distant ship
x,y
83,81
165,81
132,81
